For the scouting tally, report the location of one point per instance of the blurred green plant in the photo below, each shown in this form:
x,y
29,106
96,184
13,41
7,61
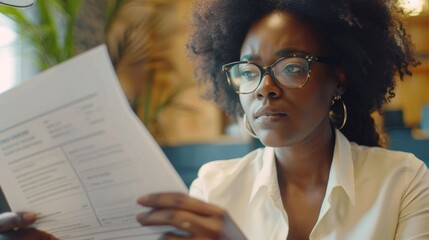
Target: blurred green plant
x,y
139,37
48,28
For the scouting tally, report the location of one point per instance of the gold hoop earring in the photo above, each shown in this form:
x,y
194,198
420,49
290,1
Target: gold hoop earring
x,y
338,119
248,127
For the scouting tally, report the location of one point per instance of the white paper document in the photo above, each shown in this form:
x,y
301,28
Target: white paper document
x,y
72,151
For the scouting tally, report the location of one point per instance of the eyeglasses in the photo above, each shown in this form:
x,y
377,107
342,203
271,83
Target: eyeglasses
x,y
289,72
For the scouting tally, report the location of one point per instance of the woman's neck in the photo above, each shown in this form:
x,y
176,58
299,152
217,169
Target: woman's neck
x,y
306,164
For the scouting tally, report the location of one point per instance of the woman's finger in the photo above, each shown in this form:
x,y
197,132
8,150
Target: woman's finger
x,y
179,201
194,224
201,219
12,220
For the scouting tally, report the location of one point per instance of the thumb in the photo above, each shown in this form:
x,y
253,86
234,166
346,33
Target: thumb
x,y
12,220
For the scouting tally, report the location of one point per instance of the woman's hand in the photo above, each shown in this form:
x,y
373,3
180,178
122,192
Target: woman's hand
x,y
15,226
199,219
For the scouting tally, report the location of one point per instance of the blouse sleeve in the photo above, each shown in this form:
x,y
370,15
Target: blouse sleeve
x,y
196,190
414,215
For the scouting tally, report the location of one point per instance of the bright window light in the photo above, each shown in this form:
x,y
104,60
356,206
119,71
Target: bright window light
x,y
8,58
414,7
7,36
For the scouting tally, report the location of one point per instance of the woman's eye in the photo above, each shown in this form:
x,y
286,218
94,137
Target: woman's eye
x,y
249,74
294,68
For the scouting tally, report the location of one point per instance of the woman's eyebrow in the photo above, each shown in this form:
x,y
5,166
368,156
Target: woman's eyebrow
x,y
250,57
280,53
289,51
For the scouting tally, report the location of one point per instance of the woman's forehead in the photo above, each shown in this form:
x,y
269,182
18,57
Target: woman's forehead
x,y
281,32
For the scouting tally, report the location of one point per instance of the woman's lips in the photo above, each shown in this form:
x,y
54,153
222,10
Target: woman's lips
x,y
269,115
270,118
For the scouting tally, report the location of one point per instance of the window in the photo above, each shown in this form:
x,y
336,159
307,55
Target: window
x,y
8,56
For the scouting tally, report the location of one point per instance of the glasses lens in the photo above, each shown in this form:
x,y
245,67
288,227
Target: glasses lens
x,y
292,72
245,77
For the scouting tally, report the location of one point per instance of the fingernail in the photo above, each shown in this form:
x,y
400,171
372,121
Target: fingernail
x,y
141,218
144,199
29,217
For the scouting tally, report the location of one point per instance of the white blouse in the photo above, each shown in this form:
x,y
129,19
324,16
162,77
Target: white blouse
x,y
372,193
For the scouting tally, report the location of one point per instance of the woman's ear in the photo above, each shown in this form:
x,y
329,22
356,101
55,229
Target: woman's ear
x,y
341,80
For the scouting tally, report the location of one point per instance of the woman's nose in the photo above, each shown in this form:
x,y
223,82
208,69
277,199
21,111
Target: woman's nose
x,y
268,87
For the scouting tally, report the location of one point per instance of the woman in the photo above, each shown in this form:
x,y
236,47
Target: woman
x,y
306,75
